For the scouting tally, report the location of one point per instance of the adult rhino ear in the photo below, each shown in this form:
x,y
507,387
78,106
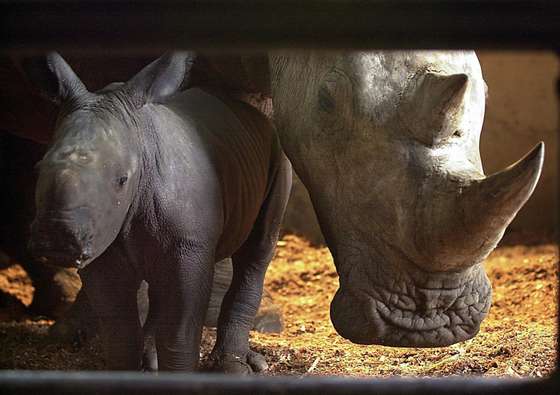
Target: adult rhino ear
x,y
161,78
54,77
431,103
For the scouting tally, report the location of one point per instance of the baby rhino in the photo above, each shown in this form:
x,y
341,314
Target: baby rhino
x,y
148,183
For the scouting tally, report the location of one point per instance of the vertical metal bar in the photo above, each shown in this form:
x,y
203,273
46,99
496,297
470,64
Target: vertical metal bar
x,y
557,230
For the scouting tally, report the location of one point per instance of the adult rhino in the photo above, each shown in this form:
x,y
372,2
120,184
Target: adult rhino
x,y
387,145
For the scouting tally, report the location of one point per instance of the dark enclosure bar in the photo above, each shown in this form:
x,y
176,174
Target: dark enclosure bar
x,y
263,24
154,26
211,384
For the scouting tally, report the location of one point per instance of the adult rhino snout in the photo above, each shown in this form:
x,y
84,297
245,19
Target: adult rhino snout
x,y
411,308
354,320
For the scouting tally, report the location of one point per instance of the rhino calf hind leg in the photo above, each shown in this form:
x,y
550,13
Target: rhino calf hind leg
x,y
269,316
231,352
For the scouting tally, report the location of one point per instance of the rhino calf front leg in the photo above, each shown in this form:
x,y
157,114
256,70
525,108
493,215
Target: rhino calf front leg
x,y
112,295
180,300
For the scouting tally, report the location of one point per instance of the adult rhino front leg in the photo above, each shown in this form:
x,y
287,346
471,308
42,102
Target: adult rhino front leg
x,y
179,300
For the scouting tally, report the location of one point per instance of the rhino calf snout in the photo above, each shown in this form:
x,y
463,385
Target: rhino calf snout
x,y
61,242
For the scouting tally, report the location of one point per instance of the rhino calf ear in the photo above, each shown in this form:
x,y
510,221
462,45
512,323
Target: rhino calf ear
x,y
54,77
161,78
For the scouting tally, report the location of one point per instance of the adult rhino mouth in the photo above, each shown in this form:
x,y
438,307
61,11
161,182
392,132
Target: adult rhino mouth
x,y
403,313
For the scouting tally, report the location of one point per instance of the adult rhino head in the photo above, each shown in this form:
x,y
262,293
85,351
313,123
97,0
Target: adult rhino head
x,y
387,146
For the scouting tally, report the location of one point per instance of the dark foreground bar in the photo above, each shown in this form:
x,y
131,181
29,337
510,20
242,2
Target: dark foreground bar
x,y
26,382
263,24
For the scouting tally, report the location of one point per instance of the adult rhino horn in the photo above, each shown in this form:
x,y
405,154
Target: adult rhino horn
x,y
431,103
461,226
491,204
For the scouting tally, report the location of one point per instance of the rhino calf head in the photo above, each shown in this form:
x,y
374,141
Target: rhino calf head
x,y
387,145
89,177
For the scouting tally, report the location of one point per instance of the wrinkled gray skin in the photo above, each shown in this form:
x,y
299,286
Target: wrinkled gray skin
x,y
142,183
387,145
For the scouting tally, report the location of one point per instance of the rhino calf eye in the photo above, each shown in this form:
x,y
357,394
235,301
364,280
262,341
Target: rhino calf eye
x,y
123,180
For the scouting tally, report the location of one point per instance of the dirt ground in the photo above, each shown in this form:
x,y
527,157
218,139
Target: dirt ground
x,y
517,339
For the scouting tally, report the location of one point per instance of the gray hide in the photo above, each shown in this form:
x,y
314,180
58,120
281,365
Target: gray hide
x,y
146,183
387,145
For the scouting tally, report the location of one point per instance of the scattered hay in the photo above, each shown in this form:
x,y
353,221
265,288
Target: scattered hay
x,y
517,339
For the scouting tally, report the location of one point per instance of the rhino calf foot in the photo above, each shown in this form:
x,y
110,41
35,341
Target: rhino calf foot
x,y
257,361
70,331
230,363
79,325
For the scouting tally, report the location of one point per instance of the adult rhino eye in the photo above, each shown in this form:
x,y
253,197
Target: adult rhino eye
x,y
123,180
326,101
335,94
